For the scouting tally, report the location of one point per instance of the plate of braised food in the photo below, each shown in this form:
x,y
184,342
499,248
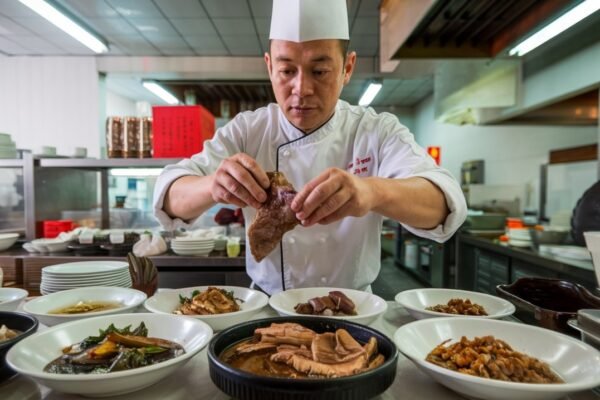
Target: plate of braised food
x,y
218,306
351,305
433,302
499,360
302,357
109,355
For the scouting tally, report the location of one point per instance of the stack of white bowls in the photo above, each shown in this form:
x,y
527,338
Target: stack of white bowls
x,y
519,237
8,148
193,246
592,241
56,278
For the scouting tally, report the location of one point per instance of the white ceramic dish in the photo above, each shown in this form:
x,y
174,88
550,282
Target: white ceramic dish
x,y
85,268
577,363
32,354
415,301
7,240
41,306
592,240
10,298
165,302
368,305
49,245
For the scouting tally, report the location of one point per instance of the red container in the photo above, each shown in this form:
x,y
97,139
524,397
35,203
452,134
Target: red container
x,y
52,228
180,131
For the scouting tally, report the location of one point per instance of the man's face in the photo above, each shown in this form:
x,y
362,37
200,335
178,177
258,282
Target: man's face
x,y
307,79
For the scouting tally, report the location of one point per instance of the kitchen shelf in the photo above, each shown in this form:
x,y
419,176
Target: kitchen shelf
x,y
94,163
11,163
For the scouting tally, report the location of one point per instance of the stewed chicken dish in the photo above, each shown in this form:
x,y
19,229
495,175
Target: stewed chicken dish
x,y
291,350
488,357
211,301
460,307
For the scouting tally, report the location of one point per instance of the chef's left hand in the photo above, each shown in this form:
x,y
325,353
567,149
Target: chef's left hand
x,y
331,196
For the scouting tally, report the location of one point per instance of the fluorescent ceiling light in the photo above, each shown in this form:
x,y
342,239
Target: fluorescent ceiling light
x,y
557,26
135,171
369,94
66,24
160,92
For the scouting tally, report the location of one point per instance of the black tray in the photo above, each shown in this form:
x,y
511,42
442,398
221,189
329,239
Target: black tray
x,y
246,386
18,321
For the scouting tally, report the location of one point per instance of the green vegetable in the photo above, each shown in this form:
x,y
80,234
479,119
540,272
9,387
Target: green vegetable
x,y
154,349
183,299
141,330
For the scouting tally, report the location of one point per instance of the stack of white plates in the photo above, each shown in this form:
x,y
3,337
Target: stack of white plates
x,y
193,246
83,274
519,237
8,148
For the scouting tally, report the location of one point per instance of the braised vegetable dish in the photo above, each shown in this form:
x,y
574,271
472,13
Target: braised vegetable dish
x,y
211,301
336,303
114,350
459,306
84,307
290,350
488,357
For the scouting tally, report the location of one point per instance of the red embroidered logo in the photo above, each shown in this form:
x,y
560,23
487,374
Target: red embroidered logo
x,y
359,165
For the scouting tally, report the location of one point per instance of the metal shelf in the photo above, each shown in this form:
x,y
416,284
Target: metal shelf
x,y
11,163
94,163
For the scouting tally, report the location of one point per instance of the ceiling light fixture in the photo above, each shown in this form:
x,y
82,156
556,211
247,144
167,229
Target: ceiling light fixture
x,y
66,24
557,26
161,92
369,94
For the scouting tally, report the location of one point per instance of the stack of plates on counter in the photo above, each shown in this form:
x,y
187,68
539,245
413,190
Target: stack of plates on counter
x,y
519,237
193,246
83,274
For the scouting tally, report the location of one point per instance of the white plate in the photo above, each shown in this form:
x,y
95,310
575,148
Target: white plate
x,y
572,252
192,253
415,301
66,278
85,267
165,302
32,354
76,285
41,306
368,305
10,298
577,363
88,279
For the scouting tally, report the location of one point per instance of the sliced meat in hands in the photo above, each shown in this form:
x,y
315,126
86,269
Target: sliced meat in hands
x,y
274,218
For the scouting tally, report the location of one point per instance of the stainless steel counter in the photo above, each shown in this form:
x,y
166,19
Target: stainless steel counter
x,y
193,382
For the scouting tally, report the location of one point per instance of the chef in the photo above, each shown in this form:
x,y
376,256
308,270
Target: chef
x,y
351,166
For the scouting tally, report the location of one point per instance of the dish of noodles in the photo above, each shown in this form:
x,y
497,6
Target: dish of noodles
x,y
459,307
488,357
293,351
208,302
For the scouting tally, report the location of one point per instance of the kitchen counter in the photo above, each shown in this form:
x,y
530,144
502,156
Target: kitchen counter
x,y
504,264
193,381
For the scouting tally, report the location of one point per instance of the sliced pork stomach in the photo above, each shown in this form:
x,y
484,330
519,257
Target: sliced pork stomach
x,y
274,218
286,333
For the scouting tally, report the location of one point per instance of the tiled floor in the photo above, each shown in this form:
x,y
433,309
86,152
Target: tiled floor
x,y
393,279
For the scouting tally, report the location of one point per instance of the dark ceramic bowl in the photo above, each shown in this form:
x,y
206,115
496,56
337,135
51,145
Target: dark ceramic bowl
x,y
549,303
18,321
246,386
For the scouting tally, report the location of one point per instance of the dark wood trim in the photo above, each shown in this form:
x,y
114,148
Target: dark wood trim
x,y
574,154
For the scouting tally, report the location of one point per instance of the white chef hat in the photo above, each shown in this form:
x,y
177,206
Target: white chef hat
x,y
304,20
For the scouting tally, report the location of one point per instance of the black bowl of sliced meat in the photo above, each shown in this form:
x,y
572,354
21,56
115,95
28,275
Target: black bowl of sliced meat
x,y
302,358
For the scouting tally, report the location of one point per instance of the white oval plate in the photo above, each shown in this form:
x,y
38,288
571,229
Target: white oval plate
x,y
368,305
41,306
30,355
85,267
165,302
415,301
577,363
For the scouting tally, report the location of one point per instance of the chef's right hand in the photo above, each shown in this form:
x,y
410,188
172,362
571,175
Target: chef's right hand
x,y
239,180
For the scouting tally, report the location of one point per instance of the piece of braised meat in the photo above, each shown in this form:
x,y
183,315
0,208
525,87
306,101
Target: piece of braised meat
x,y
274,218
336,303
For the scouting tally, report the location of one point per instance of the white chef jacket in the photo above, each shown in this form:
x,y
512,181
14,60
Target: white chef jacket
x,y
344,254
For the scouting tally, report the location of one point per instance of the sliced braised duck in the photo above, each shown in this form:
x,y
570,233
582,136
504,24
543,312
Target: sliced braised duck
x,y
274,218
291,350
335,303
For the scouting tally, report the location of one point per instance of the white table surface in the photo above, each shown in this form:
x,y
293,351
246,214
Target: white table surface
x,y
193,381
